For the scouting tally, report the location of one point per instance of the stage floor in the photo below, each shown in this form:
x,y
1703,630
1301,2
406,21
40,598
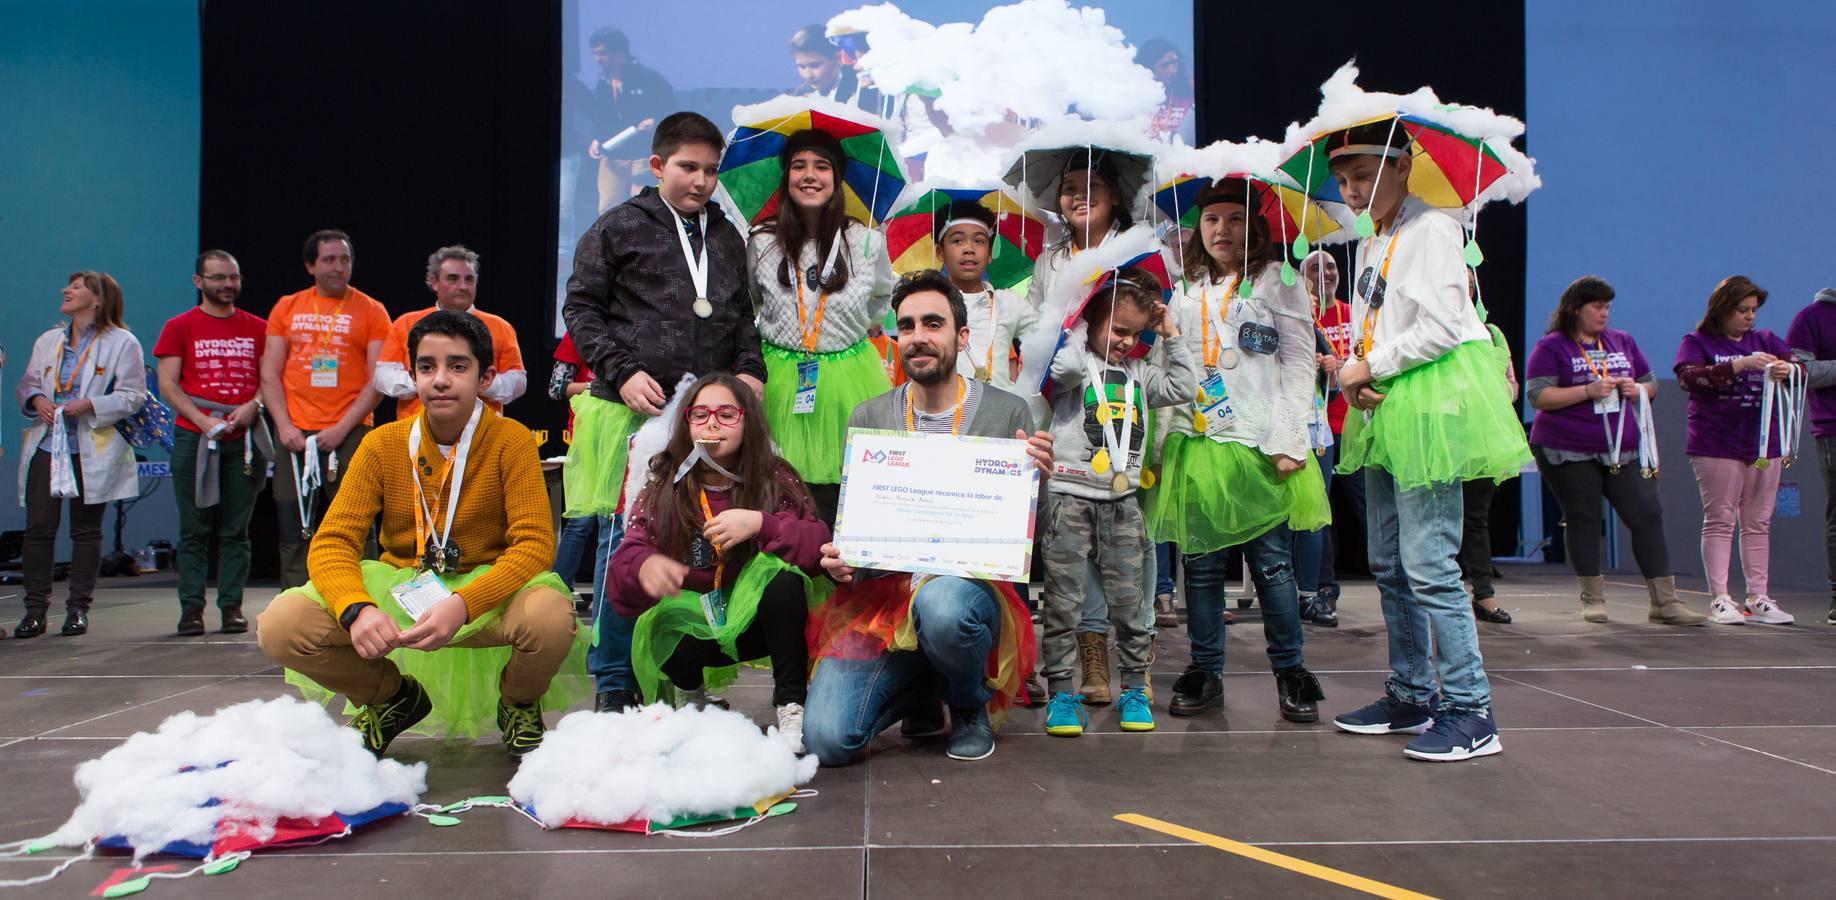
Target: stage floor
x,y
1639,760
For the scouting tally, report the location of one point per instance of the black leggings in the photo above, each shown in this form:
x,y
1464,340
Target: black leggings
x,y
1578,487
1475,555
777,632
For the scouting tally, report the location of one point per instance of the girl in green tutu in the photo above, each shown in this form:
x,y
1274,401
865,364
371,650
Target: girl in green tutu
x,y
1236,469
717,558
819,279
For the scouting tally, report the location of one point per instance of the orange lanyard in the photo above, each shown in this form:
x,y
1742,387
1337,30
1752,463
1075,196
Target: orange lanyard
x,y
811,330
1587,357
1370,311
76,371
707,515
422,530
993,332
956,423
1208,348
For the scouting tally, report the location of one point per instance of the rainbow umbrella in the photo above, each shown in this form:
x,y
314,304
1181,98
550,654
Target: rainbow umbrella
x,y
872,176
1290,213
1450,170
1018,236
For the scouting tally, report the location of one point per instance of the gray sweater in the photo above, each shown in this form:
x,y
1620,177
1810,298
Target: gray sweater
x,y
998,414
1076,434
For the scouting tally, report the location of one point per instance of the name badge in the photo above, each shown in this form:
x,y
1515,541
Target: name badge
x,y
805,401
714,608
1214,405
701,553
417,595
1607,404
1258,338
324,370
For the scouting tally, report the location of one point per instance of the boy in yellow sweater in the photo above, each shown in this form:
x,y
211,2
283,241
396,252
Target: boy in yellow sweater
x,y
467,545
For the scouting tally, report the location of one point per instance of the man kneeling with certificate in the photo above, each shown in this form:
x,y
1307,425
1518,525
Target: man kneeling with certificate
x,y
891,648
466,548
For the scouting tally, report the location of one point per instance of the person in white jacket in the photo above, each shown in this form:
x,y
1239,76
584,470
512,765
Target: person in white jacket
x,y
83,377
1238,468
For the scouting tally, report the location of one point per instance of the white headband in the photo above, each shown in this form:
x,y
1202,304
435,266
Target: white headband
x,y
966,220
1366,150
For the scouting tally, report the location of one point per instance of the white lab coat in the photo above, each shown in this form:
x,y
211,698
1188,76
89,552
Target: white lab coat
x,y
114,378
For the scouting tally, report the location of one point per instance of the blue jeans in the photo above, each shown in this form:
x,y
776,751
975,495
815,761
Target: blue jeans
x,y
852,700
1163,569
610,659
1312,567
571,545
1414,535
1272,568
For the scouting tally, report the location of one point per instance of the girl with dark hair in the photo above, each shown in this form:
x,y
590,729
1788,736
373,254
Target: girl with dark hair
x,y
83,377
718,555
1724,365
1238,468
1584,379
820,280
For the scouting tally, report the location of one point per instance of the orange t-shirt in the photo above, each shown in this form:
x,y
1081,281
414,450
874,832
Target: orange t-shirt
x,y
888,348
319,327
503,344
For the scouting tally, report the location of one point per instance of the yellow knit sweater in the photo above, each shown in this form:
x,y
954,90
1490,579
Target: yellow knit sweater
x,y
503,516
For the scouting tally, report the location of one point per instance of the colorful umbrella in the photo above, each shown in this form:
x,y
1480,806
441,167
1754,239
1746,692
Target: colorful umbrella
x,y
872,176
1018,236
1153,261
1037,171
1291,214
1450,170
235,835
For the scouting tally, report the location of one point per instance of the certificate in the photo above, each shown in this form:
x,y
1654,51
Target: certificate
x,y
937,504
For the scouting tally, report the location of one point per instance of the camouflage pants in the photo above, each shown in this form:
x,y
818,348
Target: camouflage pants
x,y
1112,535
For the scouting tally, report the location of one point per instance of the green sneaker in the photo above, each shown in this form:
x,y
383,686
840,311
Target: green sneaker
x,y
522,726
380,723
1137,710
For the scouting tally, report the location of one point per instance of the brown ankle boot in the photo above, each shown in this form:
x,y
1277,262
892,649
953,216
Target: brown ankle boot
x,y
1593,598
1666,609
1093,658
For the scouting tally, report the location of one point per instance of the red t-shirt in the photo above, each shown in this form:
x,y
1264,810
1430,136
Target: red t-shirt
x,y
1336,323
219,359
568,353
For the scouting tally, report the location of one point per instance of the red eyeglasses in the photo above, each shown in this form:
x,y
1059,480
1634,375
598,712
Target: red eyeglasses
x,y
726,415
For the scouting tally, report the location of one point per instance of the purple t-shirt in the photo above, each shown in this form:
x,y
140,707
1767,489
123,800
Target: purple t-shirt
x,y
1724,422
1578,428
1814,331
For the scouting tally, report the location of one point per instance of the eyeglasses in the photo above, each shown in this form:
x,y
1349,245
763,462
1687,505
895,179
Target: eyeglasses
x,y
215,279
726,415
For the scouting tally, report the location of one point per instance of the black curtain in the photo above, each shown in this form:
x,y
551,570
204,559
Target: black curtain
x,y
1252,84
410,126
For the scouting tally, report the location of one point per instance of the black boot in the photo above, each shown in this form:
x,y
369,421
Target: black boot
x,y
1196,691
1300,694
32,625
233,621
615,701
191,622
76,621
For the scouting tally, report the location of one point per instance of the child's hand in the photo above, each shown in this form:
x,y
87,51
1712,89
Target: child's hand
x,y
661,576
374,634
839,572
1163,322
1286,465
437,625
735,526
1039,447
1354,375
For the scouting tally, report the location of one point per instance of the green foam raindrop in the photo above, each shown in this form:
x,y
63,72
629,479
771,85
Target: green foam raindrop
x,y
227,864
1472,254
1301,246
1364,226
132,886
1287,273
441,821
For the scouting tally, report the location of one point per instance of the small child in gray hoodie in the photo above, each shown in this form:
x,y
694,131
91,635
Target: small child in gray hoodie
x,y
1099,432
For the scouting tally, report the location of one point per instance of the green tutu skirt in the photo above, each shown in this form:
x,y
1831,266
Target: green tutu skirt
x,y
813,442
594,474
657,632
1450,420
1214,495
462,681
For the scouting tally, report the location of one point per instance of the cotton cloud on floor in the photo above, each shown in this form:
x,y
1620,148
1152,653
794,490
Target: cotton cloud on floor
x,y
263,760
655,764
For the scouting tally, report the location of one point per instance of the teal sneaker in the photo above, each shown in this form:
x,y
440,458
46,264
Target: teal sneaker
x,y
1137,711
1065,715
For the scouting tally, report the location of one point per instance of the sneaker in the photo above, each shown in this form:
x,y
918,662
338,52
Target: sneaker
x,y
1196,691
1137,710
1722,611
615,701
380,723
1457,735
1065,715
1387,716
1761,609
971,734
790,725
699,699
522,726
1318,610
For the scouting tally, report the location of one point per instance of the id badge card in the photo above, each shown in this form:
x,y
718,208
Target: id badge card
x,y
324,370
418,594
805,401
1607,404
714,607
1214,402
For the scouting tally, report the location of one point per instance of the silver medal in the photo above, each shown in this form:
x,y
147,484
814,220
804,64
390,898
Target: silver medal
x,y
1228,358
703,308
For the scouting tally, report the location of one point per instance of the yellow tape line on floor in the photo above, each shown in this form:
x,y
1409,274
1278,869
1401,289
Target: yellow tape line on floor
x,y
1343,879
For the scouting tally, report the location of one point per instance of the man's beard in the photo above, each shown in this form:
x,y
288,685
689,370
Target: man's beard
x,y
936,375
